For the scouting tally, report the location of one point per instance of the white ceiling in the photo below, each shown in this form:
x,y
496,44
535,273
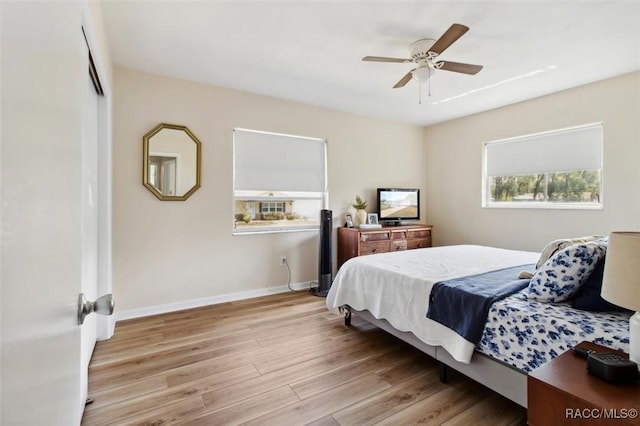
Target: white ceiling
x,y
311,51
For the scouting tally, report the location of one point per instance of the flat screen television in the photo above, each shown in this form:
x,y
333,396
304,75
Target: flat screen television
x,y
396,205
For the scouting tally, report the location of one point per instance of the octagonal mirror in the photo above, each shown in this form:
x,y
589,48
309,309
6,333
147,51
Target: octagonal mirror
x,y
171,162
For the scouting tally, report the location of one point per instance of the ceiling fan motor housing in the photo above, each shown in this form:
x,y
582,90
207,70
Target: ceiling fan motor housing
x,y
420,49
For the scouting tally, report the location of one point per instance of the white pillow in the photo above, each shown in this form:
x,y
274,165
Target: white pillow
x,y
555,245
561,276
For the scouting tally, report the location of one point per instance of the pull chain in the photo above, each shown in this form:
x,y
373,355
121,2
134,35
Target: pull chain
x,y
420,88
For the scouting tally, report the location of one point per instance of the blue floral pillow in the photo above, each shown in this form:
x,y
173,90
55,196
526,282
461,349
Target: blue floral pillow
x,y
561,276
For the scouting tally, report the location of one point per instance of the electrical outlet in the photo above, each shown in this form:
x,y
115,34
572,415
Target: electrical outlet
x,y
283,260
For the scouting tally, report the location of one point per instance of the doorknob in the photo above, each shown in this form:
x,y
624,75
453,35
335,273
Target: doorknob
x,y
103,305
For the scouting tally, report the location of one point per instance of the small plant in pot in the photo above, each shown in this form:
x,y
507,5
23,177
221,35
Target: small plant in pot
x,y
361,214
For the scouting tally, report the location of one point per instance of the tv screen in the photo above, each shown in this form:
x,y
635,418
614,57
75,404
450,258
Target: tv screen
x,y
398,204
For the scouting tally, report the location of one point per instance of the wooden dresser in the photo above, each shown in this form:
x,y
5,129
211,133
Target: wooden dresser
x,y
354,242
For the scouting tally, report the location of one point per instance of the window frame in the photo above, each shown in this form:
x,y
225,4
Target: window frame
x,y
276,204
564,205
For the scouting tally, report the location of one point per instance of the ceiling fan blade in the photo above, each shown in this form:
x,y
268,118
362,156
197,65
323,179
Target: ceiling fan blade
x,y
383,59
454,32
404,80
459,67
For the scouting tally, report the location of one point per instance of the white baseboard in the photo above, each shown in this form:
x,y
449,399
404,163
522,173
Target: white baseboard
x,y
196,303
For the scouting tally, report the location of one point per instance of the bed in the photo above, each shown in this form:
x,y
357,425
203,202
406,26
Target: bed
x,y
392,291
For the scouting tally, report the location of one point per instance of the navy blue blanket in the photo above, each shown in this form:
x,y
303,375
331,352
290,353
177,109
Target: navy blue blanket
x,y
462,304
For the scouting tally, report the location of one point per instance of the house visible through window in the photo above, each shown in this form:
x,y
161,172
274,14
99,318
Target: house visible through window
x,y
279,182
560,168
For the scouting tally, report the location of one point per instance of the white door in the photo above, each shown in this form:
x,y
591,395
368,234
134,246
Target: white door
x,y
42,76
89,194
251,209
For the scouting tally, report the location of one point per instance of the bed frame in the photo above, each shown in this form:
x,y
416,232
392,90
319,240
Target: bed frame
x,y
494,374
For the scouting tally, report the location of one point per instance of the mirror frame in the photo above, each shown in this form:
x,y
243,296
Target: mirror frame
x,y
145,162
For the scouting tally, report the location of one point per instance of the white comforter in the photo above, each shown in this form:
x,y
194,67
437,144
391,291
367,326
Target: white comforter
x,y
396,286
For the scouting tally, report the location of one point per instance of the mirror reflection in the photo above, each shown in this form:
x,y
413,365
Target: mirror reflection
x,y
171,162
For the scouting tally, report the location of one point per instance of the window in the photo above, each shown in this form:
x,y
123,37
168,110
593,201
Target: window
x,y
279,182
556,169
271,207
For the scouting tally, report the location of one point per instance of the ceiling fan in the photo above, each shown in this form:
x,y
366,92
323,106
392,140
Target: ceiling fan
x,y
424,53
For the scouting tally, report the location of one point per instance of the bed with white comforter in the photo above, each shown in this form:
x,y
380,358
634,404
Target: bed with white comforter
x,y
519,332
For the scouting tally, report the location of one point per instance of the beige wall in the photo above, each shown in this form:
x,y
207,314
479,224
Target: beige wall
x,y
454,163
169,252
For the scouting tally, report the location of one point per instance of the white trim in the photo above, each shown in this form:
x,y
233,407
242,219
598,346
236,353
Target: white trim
x,y
542,205
274,230
279,134
546,132
213,300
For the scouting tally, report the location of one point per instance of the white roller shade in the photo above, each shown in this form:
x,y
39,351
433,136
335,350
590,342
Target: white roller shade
x,y
578,148
275,162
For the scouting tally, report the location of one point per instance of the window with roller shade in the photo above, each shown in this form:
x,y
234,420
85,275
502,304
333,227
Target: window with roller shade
x,y
279,182
556,169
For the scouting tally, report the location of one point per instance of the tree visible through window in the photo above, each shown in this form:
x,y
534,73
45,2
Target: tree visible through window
x,y
569,187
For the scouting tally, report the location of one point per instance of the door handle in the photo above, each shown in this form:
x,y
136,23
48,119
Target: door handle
x,y
103,305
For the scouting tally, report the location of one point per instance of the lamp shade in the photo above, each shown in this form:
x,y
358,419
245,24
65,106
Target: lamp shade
x,y
621,281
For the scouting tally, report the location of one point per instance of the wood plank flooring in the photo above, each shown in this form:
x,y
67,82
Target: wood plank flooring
x,y
276,360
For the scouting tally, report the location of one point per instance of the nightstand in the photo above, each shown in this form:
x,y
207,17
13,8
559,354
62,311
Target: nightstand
x,y
562,392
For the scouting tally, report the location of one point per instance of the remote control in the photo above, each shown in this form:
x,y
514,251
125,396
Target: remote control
x,y
612,367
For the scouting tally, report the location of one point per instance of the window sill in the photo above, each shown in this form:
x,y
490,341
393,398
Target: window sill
x,y
274,230
547,206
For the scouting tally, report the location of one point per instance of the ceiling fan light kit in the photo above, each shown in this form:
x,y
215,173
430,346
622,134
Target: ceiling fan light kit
x,y
424,52
422,74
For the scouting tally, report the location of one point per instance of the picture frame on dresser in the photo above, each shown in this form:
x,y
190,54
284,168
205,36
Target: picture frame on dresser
x,y
373,218
348,220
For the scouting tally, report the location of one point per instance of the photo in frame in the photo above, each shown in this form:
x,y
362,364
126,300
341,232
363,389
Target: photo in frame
x,y
349,220
373,218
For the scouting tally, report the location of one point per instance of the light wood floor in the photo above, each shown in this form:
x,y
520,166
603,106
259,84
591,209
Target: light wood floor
x,y
276,360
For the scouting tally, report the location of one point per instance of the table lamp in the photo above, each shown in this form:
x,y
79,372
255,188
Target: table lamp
x,y
621,282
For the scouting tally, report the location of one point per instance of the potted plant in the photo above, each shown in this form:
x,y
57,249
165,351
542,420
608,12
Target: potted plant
x,y
361,215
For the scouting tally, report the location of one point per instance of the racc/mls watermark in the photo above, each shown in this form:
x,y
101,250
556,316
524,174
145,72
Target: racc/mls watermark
x,y
600,413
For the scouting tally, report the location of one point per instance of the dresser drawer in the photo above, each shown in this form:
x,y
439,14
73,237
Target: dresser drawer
x,y
399,245
374,236
419,233
373,247
419,243
399,235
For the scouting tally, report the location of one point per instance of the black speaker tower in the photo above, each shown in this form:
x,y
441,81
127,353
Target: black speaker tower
x,y
324,255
